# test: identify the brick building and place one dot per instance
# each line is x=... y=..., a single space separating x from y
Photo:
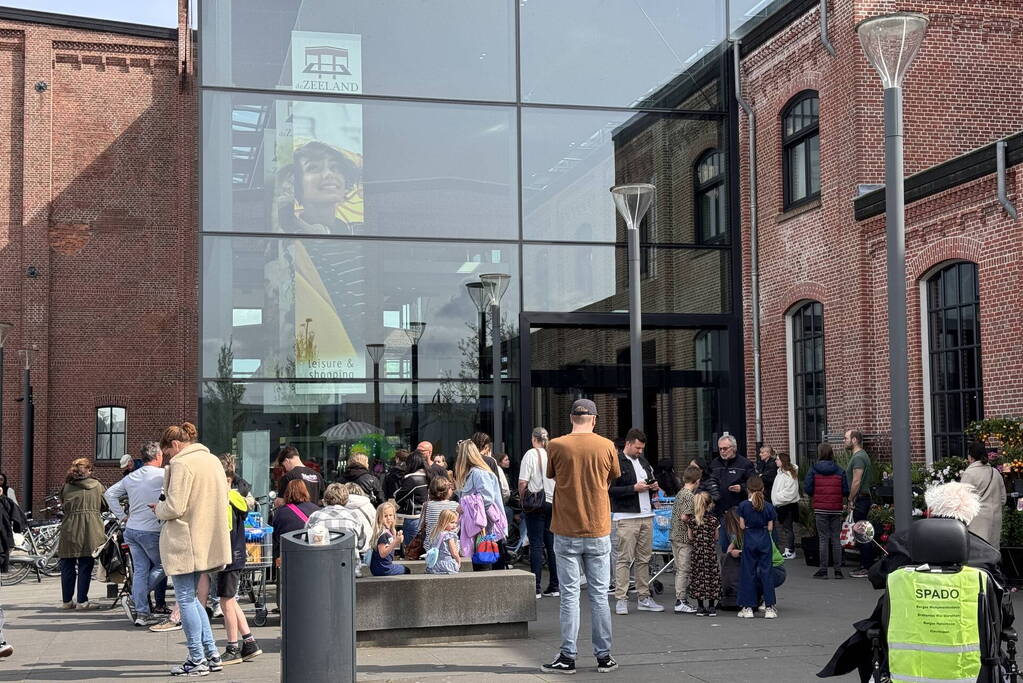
x=97 y=237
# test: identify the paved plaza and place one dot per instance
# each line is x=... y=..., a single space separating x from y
x=55 y=645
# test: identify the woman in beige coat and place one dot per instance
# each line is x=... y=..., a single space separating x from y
x=194 y=537
x=81 y=532
x=987 y=482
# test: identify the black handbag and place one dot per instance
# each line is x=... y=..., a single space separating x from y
x=533 y=501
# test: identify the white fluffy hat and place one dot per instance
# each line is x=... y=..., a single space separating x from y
x=955 y=500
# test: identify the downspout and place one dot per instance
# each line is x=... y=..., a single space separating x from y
x=758 y=418
x=824 y=28
x=1003 y=198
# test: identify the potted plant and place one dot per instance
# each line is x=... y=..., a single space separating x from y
x=1012 y=545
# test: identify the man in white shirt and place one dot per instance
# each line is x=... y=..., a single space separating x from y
x=632 y=515
x=142 y=531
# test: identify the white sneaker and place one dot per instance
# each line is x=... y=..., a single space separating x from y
x=788 y=554
x=745 y=613
x=217 y=612
x=539 y=595
x=762 y=607
x=683 y=607
x=771 y=613
x=622 y=607
x=68 y=605
x=647 y=604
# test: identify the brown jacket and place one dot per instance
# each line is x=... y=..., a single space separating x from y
x=195 y=536
x=81 y=532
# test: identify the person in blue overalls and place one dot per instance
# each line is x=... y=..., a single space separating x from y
x=756 y=519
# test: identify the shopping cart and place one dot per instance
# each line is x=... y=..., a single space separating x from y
x=661 y=545
x=258 y=559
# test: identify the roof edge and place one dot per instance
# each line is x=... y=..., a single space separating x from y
x=88 y=23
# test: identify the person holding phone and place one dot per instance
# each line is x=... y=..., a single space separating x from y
x=632 y=515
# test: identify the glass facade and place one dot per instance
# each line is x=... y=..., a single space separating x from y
x=362 y=162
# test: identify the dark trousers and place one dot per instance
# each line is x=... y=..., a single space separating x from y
x=538 y=528
x=160 y=592
x=787 y=515
x=76 y=571
x=756 y=578
x=829 y=531
x=861 y=509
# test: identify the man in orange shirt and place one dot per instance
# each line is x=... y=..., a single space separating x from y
x=582 y=464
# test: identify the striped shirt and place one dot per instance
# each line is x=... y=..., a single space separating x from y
x=432 y=514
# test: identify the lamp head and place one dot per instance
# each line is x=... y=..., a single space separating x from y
x=495 y=285
x=890 y=42
x=478 y=296
x=415 y=331
x=375 y=351
x=633 y=201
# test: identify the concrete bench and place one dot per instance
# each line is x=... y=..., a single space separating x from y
x=419 y=566
x=444 y=608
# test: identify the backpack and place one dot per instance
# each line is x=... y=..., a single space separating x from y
x=432 y=555
x=486 y=551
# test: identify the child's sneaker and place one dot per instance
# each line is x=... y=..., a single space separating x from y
x=683 y=607
x=712 y=611
x=190 y=668
x=648 y=605
x=702 y=612
x=745 y=613
x=561 y=665
x=770 y=613
x=622 y=607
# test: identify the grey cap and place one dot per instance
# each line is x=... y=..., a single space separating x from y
x=584 y=406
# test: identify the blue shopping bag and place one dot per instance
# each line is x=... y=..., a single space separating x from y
x=662 y=529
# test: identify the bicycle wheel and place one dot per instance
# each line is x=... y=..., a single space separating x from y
x=16 y=574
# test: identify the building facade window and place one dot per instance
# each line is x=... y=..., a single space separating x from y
x=710 y=197
x=111 y=425
x=808 y=396
x=953 y=324
x=801 y=149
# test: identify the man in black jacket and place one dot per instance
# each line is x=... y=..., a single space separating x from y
x=632 y=515
x=730 y=472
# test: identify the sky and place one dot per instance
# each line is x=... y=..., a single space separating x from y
x=153 y=12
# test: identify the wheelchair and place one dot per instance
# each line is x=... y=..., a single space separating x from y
x=939 y=551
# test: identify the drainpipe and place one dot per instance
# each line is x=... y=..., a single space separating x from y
x=824 y=28
x=758 y=418
x=1003 y=198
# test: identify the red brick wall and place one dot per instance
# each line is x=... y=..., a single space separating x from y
x=956 y=99
x=100 y=198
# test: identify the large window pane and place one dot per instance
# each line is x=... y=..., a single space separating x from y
x=596 y=278
x=323 y=300
x=456 y=49
x=335 y=166
x=619 y=53
x=570 y=159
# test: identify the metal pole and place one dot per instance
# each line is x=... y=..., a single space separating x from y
x=376 y=393
x=28 y=429
x=898 y=370
x=635 y=331
x=2 y=412
x=496 y=360
x=481 y=374
x=415 y=395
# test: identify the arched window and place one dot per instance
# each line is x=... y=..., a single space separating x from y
x=710 y=197
x=111 y=425
x=808 y=398
x=953 y=340
x=801 y=149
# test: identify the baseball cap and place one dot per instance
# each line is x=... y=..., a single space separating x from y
x=584 y=406
x=126 y=461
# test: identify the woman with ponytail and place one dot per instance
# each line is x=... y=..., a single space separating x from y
x=756 y=519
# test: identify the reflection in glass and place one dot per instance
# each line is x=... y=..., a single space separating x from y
x=596 y=278
x=341 y=167
x=570 y=158
x=324 y=300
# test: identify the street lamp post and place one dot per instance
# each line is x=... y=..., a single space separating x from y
x=479 y=299
x=28 y=434
x=376 y=353
x=5 y=331
x=495 y=285
x=633 y=201
x=890 y=43
x=414 y=332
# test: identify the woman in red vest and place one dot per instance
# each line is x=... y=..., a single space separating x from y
x=828 y=486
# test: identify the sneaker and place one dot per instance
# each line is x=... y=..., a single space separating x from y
x=647 y=604
x=821 y=574
x=683 y=607
x=770 y=613
x=215 y=662
x=190 y=668
x=146 y=620
x=89 y=604
x=762 y=607
x=165 y=626
x=561 y=665
x=607 y=664
x=859 y=574
x=6 y=650
x=129 y=608
x=712 y=611
x=231 y=657
x=161 y=609
x=788 y=554
x=622 y=607
x=839 y=574
x=539 y=595
x=552 y=593
x=702 y=612
x=217 y=612
x=250 y=650
x=745 y=613
x=611 y=588
x=68 y=605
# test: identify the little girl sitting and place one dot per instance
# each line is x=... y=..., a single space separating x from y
x=444 y=540
x=381 y=562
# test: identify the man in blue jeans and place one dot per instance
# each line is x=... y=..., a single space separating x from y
x=142 y=531
x=583 y=465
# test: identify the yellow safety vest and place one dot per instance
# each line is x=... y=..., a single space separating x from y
x=934 y=625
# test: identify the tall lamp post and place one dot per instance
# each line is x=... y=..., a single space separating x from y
x=890 y=42
x=495 y=285
x=28 y=435
x=633 y=201
x=414 y=332
x=376 y=353
x=479 y=299
x=5 y=331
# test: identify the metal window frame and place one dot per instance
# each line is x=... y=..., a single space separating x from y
x=702 y=187
x=788 y=142
x=818 y=375
x=111 y=432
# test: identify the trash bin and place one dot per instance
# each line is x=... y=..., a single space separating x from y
x=317 y=608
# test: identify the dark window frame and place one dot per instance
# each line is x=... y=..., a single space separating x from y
x=808 y=345
x=947 y=358
x=702 y=187
x=791 y=140
x=110 y=432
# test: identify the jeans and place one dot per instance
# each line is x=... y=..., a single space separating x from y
x=409 y=529
x=76 y=570
x=861 y=509
x=194 y=620
x=590 y=557
x=538 y=529
x=147 y=571
x=829 y=529
x=634 y=546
